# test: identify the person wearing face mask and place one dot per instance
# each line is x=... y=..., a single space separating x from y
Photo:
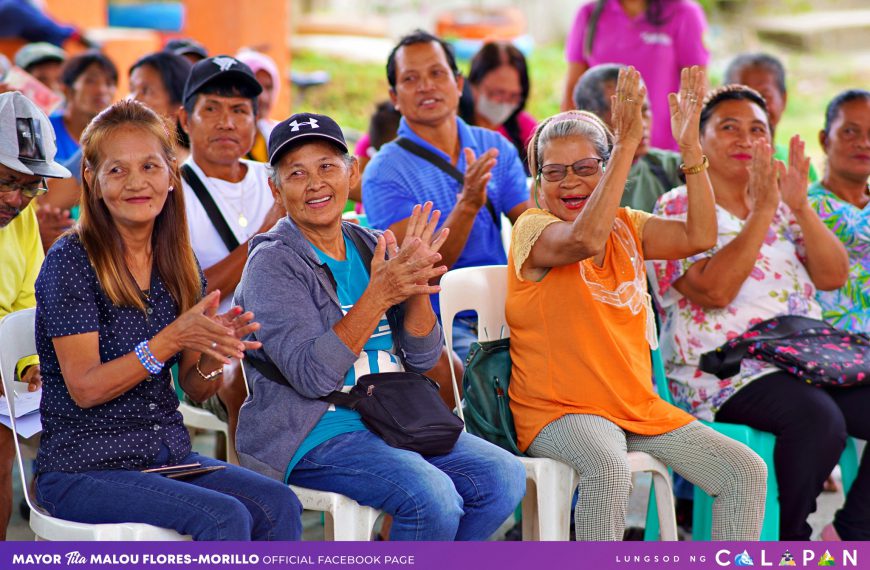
x=496 y=92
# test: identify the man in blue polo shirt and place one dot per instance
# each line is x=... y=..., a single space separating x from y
x=472 y=175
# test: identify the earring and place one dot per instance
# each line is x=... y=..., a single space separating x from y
x=171 y=188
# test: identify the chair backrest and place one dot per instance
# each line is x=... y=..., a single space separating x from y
x=17 y=340
x=482 y=289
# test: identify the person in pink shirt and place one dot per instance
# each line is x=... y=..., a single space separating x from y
x=657 y=37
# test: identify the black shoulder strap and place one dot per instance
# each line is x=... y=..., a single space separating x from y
x=211 y=209
x=446 y=167
x=268 y=368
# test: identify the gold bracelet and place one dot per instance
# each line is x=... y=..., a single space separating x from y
x=210 y=377
x=697 y=168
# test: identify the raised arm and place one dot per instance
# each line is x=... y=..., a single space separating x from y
x=562 y=243
x=677 y=239
x=826 y=259
x=714 y=282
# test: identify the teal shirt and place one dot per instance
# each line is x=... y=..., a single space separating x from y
x=351 y=278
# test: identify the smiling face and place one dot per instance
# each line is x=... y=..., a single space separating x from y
x=314 y=184
x=847 y=144
x=567 y=198
x=426 y=91
x=729 y=134
x=221 y=129
x=132 y=177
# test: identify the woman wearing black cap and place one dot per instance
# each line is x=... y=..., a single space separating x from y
x=324 y=325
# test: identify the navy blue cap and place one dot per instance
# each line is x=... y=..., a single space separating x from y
x=303 y=126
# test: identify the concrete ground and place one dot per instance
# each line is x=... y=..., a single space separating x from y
x=828 y=504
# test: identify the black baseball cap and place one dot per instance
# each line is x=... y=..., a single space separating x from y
x=301 y=127
x=219 y=67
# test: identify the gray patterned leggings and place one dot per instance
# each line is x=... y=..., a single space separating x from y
x=596 y=448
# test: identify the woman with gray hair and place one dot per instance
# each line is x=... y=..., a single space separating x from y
x=582 y=325
x=328 y=321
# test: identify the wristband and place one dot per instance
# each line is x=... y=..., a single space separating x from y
x=147 y=358
x=696 y=168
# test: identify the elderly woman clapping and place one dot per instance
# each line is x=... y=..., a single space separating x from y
x=772 y=256
x=324 y=318
x=582 y=325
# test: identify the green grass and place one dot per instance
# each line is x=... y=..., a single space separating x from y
x=355 y=88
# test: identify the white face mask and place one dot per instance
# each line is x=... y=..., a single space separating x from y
x=494 y=112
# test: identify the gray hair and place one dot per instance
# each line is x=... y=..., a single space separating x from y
x=275 y=176
x=763 y=61
x=569 y=124
x=589 y=91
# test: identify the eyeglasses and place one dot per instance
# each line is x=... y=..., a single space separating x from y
x=28 y=190
x=583 y=167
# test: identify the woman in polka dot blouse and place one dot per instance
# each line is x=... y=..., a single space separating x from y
x=120 y=301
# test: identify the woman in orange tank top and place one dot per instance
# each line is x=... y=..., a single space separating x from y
x=582 y=325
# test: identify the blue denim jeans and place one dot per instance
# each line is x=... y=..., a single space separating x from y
x=229 y=504
x=463 y=495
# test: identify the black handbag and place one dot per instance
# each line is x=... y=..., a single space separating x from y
x=485 y=402
x=812 y=350
x=404 y=409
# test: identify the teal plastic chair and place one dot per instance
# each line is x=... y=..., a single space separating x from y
x=762 y=443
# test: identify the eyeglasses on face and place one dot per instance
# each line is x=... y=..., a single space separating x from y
x=29 y=190
x=583 y=167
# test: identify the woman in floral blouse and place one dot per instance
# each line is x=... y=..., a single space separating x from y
x=773 y=254
x=841 y=200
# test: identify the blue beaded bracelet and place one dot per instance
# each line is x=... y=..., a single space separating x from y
x=147 y=358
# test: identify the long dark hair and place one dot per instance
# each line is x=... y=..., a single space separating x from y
x=490 y=57
x=654 y=14
x=170 y=242
x=173 y=70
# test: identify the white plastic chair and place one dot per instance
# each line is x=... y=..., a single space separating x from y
x=550 y=484
x=198 y=418
x=17 y=341
x=345 y=519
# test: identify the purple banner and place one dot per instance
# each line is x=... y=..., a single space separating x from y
x=434 y=556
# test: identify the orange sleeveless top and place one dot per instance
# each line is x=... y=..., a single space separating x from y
x=579 y=336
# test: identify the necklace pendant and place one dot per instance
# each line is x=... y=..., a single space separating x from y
x=243 y=221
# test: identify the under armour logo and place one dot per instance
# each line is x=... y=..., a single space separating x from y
x=224 y=62
x=311 y=123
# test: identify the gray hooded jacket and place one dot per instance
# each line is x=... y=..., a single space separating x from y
x=290 y=292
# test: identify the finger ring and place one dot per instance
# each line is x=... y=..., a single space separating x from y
x=629 y=100
x=213 y=345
